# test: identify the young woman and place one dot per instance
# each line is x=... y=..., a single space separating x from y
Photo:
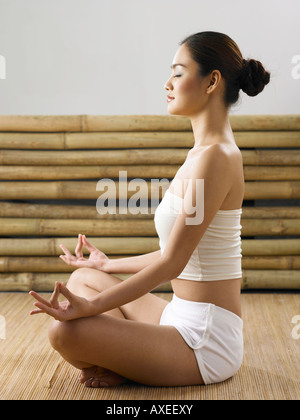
x=116 y=330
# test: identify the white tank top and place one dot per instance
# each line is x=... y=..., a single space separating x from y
x=218 y=254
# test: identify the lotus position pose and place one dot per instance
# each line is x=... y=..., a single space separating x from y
x=114 y=330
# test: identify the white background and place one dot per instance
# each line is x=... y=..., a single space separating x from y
x=114 y=56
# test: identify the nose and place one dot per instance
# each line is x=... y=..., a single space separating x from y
x=168 y=85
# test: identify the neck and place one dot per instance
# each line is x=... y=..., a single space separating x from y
x=212 y=126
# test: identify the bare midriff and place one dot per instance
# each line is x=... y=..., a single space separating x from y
x=222 y=293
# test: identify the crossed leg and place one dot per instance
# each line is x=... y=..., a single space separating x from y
x=128 y=341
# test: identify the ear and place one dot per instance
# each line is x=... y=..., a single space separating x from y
x=214 y=80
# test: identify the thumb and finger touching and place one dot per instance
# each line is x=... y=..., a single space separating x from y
x=50 y=307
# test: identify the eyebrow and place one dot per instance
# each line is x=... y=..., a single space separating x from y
x=175 y=65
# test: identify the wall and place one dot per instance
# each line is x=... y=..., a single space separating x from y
x=114 y=56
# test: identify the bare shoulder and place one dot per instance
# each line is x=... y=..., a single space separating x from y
x=217 y=157
x=220 y=161
x=217 y=151
x=221 y=151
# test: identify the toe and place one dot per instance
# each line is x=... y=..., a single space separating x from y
x=88 y=382
x=95 y=383
x=104 y=384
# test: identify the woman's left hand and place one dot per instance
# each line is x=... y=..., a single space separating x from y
x=73 y=308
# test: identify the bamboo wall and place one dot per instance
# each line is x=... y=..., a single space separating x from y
x=50 y=166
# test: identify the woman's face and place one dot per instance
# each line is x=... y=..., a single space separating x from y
x=186 y=88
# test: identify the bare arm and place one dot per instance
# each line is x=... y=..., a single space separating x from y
x=74 y=307
x=98 y=260
x=131 y=264
x=160 y=271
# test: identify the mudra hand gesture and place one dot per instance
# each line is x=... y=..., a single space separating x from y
x=75 y=306
x=72 y=308
x=97 y=259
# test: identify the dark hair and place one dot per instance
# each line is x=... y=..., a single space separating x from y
x=217 y=51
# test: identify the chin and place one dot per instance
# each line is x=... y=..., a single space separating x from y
x=174 y=111
x=177 y=110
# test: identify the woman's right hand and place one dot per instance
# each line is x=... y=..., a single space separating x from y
x=97 y=259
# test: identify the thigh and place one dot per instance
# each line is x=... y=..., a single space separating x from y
x=145 y=353
x=87 y=282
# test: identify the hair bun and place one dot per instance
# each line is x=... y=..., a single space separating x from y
x=253 y=77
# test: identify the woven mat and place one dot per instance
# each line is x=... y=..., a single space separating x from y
x=31 y=370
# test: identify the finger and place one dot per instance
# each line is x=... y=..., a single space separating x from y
x=45 y=309
x=67 y=293
x=66 y=251
x=36 y=311
x=63 y=257
x=54 y=297
x=78 y=249
x=66 y=259
x=74 y=263
x=39 y=298
x=88 y=245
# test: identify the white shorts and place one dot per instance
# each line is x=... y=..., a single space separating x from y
x=215 y=335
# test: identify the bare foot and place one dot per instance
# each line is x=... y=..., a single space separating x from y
x=96 y=377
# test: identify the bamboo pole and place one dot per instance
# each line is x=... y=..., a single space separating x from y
x=94 y=157
x=97 y=140
x=39 y=264
x=137 y=123
x=64 y=227
x=275 y=212
x=87 y=123
x=170 y=156
x=134 y=245
x=259 y=139
x=12 y=264
x=270 y=247
x=85 y=190
x=182 y=139
x=45 y=173
x=31 y=141
x=265 y=122
x=50 y=246
x=127 y=227
x=41 y=123
x=270 y=227
x=128 y=140
x=271 y=279
x=271 y=157
x=283 y=262
x=82 y=190
x=259 y=190
x=52 y=211
x=24 y=282
x=34 y=265
x=271 y=173
x=45 y=282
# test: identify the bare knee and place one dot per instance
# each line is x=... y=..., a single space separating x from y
x=79 y=275
x=79 y=279
x=61 y=335
x=85 y=280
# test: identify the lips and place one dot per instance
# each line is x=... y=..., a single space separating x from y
x=170 y=98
